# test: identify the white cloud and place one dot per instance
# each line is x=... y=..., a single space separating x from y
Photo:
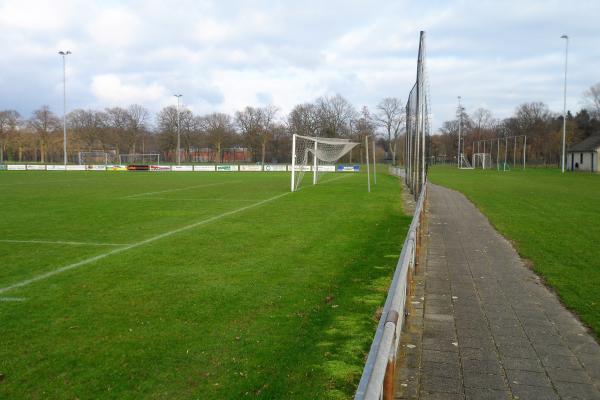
x=109 y=89
x=30 y=16
x=115 y=28
x=225 y=55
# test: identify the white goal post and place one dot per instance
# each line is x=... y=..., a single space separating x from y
x=95 y=157
x=145 y=159
x=321 y=150
x=464 y=162
x=482 y=160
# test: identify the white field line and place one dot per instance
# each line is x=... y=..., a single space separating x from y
x=12 y=299
x=192 y=199
x=63 y=242
x=327 y=181
x=134 y=245
x=179 y=189
x=44 y=182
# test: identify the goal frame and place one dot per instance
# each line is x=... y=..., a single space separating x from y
x=140 y=155
x=93 y=153
x=314 y=151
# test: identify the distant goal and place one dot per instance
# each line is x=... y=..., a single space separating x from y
x=139 y=159
x=316 y=154
x=96 y=157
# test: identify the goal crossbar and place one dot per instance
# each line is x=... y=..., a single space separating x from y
x=320 y=150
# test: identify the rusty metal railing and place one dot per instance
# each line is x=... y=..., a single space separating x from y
x=377 y=381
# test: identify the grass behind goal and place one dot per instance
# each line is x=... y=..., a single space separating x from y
x=274 y=300
x=552 y=218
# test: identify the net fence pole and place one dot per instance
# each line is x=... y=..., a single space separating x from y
x=498 y=155
x=515 y=154
x=423 y=122
x=524 y=151
x=293 y=160
x=374 y=164
x=505 y=151
x=315 y=166
x=368 y=172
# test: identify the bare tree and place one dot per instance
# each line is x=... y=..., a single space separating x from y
x=44 y=122
x=117 y=120
x=592 y=97
x=88 y=127
x=219 y=129
x=189 y=130
x=9 y=121
x=268 y=119
x=304 y=120
x=390 y=117
x=364 y=126
x=256 y=126
x=167 y=127
x=137 y=117
x=482 y=119
x=335 y=116
x=281 y=143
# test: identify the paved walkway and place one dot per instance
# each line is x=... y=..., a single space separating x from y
x=482 y=326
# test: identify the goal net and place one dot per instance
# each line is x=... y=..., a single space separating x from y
x=482 y=160
x=316 y=154
x=144 y=159
x=464 y=162
x=96 y=157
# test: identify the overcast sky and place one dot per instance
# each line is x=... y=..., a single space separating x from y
x=224 y=55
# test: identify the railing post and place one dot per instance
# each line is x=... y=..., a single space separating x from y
x=388 y=379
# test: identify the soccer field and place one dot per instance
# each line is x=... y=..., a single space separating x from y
x=191 y=285
x=552 y=219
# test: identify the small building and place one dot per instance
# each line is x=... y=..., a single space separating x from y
x=583 y=156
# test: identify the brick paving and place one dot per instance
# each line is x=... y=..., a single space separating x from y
x=482 y=325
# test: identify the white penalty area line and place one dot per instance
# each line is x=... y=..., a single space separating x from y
x=62 y=242
x=199 y=199
x=44 y=182
x=179 y=189
x=12 y=299
x=134 y=245
x=325 y=181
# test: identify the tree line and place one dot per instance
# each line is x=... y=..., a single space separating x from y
x=264 y=132
x=534 y=119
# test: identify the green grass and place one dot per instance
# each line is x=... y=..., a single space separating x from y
x=276 y=301
x=554 y=221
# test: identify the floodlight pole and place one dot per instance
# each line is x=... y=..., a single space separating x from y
x=64 y=54
x=178 y=132
x=562 y=159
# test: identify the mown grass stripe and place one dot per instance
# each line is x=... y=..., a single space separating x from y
x=179 y=189
x=134 y=245
x=62 y=242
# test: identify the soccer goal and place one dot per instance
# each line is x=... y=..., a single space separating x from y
x=482 y=160
x=464 y=162
x=318 y=153
x=96 y=157
x=143 y=159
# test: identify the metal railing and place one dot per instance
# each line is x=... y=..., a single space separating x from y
x=377 y=381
